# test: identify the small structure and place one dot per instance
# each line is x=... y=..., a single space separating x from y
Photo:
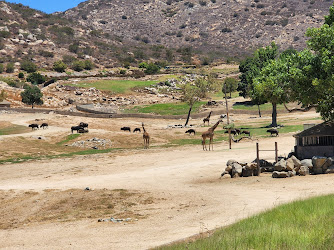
x=315 y=141
x=5 y=104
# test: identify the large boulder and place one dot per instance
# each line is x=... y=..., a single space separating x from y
x=304 y=170
x=290 y=166
x=230 y=162
x=247 y=171
x=280 y=165
x=277 y=174
x=320 y=164
x=307 y=163
x=236 y=170
x=296 y=162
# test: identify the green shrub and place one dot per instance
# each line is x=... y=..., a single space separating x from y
x=143 y=65
x=226 y=30
x=20 y=75
x=202 y=3
x=10 y=67
x=152 y=69
x=88 y=65
x=45 y=53
x=122 y=71
x=4 y=34
x=78 y=65
x=28 y=66
x=74 y=48
x=1 y=68
x=36 y=78
x=67 y=59
x=59 y=66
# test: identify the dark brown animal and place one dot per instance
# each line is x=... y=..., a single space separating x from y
x=146 y=137
x=83 y=124
x=190 y=131
x=209 y=134
x=273 y=131
x=246 y=132
x=33 y=126
x=126 y=129
x=76 y=128
x=137 y=130
x=44 y=125
x=207 y=119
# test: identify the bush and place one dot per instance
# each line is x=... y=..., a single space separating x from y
x=36 y=78
x=78 y=66
x=226 y=30
x=202 y=3
x=74 y=48
x=1 y=68
x=124 y=17
x=143 y=65
x=10 y=67
x=152 y=69
x=59 y=66
x=28 y=66
x=88 y=65
x=4 y=34
x=20 y=75
x=122 y=71
x=45 y=53
x=67 y=59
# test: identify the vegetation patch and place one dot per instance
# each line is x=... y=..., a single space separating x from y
x=165 y=108
x=13 y=129
x=299 y=225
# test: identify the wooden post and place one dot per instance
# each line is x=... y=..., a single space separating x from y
x=276 y=152
x=258 y=159
x=228 y=120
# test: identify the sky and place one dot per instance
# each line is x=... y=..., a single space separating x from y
x=49 y=6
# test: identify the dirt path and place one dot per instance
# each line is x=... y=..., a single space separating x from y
x=190 y=197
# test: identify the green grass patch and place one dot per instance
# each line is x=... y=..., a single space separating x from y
x=14 y=129
x=165 y=108
x=68 y=138
x=263 y=107
x=115 y=86
x=306 y=224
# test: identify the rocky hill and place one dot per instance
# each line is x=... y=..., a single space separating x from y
x=231 y=27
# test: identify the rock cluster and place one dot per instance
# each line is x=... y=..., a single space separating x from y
x=292 y=166
x=94 y=143
x=236 y=169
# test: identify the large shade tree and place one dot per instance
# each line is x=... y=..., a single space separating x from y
x=32 y=95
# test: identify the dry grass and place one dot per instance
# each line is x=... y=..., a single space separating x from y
x=18 y=209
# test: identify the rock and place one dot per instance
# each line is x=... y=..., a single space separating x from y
x=320 y=164
x=246 y=171
x=230 y=162
x=292 y=173
x=290 y=165
x=330 y=170
x=304 y=170
x=296 y=162
x=277 y=174
x=280 y=166
x=226 y=176
x=307 y=163
x=236 y=168
x=228 y=168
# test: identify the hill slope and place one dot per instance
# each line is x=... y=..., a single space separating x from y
x=231 y=26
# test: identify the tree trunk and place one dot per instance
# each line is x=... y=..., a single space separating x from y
x=191 y=106
x=274 y=115
x=32 y=106
x=230 y=94
x=258 y=107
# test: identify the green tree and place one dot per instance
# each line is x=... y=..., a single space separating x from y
x=59 y=66
x=193 y=92
x=32 y=95
x=231 y=84
x=28 y=66
x=36 y=78
x=152 y=69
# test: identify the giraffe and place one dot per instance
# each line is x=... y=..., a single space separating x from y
x=209 y=134
x=207 y=119
x=146 y=137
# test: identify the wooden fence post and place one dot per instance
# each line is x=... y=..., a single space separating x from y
x=276 y=152
x=258 y=159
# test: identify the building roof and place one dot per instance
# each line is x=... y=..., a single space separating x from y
x=322 y=129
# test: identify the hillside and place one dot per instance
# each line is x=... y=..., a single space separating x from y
x=231 y=27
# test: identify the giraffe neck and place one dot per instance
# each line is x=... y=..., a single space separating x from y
x=214 y=126
x=144 y=129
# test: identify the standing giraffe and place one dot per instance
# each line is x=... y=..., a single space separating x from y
x=207 y=119
x=146 y=137
x=209 y=134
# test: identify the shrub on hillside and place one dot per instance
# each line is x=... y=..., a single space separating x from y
x=20 y=75
x=45 y=53
x=36 y=78
x=28 y=66
x=10 y=67
x=152 y=69
x=1 y=68
x=59 y=66
x=88 y=65
x=78 y=66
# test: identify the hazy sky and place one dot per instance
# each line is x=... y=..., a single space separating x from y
x=49 y=6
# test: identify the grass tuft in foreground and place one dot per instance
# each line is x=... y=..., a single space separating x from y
x=306 y=224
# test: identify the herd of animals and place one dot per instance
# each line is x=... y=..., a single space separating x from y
x=83 y=128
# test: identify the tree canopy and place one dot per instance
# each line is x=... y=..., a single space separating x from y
x=32 y=95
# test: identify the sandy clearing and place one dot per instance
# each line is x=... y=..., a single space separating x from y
x=190 y=197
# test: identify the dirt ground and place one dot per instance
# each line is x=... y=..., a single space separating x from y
x=166 y=193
